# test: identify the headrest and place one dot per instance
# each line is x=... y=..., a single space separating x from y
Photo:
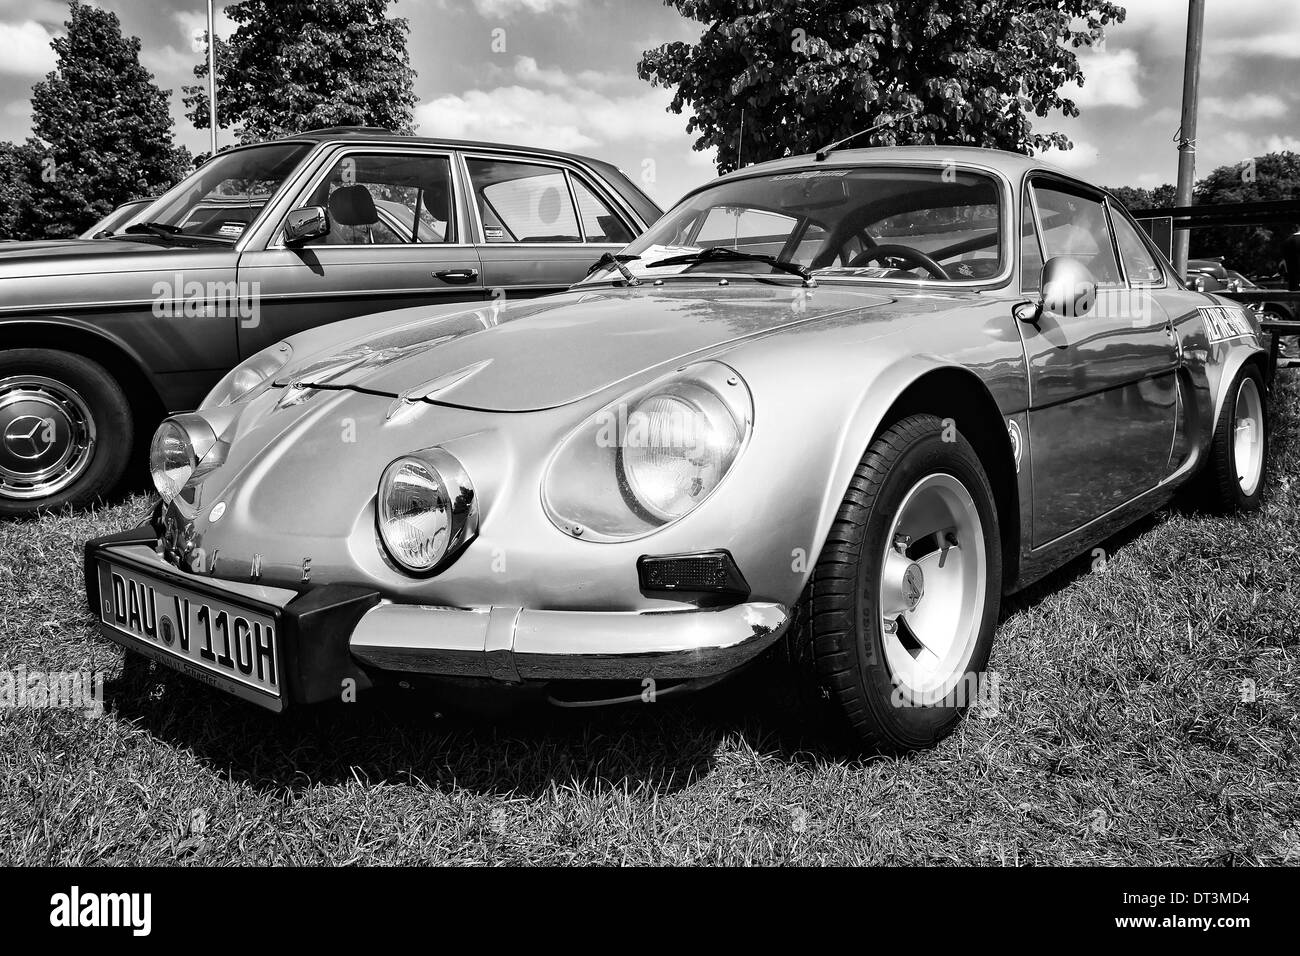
x=437 y=200
x=353 y=206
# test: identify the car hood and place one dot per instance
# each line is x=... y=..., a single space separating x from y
x=561 y=349
x=74 y=256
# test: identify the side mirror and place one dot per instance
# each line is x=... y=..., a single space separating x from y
x=305 y=223
x=1068 y=291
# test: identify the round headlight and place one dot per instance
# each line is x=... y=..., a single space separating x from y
x=172 y=459
x=240 y=381
x=678 y=445
x=426 y=509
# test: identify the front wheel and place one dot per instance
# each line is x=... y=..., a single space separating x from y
x=899 y=614
x=65 y=431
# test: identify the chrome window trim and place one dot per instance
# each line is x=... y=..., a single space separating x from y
x=1086 y=191
x=1007 y=251
x=566 y=168
x=343 y=150
x=1114 y=207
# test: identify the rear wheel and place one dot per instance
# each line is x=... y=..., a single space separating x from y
x=1233 y=479
x=65 y=431
x=898 y=618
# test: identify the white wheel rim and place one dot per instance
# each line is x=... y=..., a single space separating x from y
x=1248 y=436
x=933 y=578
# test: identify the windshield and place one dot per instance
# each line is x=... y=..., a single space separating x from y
x=115 y=220
x=869 y=222
x=221 y=198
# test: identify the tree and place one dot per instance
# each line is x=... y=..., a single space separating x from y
x=306 y=64
x=1139 y=197
x=14 y=191
x=102 y=130
x=808 y=72
x=1251 y=250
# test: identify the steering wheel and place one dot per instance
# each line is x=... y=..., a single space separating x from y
x=892 y=251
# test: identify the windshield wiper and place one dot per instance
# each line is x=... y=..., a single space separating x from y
x=157 y=228
x=610 y=259
x=723 y=254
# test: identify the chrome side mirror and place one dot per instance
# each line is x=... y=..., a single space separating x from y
x=305 y=223
x=1068 y=291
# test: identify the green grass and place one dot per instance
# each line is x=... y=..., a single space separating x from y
x=1121 y=736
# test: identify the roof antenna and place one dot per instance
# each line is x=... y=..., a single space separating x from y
x=740 y=147
x=887 y=121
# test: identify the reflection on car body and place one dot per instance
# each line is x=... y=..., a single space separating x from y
x=835 y=407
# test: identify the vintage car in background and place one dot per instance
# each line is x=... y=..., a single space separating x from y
x=100 y=339
x=118 y=219
x=1213 y=275
x=842 y=403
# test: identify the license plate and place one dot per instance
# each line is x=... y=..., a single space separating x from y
x=220 y=643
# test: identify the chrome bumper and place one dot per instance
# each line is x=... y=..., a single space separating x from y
x=516 y=644
x=342 y=631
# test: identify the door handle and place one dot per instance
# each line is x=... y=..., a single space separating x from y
x=457 y=275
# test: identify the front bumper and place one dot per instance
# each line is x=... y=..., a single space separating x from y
x=334 y=632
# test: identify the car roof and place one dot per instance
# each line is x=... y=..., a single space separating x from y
x=1012 y=164
x=374 y=134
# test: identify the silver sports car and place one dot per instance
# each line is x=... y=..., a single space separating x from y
x=832 y=407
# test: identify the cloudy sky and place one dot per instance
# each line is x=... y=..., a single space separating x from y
x=562 y=73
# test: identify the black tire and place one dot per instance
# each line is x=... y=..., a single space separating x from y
x=91 y=389
x=837 y=641
x=1220 y=489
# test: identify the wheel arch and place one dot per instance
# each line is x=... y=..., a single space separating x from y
x=117 y=358
x=948 y=392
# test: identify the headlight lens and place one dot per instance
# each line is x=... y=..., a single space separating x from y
x=172 y=460
x=183 y=450
x=678 y=445
x=248 y=375
x=650 y=458
x=426 y=509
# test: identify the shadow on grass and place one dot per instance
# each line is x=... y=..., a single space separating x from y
x=506 y=746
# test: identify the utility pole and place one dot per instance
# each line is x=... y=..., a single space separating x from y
x=212 y=79
x=1187 y=132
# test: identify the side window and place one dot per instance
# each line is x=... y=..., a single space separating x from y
x=599 y=223
x=1075 y=226
x=522 y=202
x=1139 y=263
x=1031 y=254
x=387 y=198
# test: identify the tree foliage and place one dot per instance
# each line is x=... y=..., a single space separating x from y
x=306 y=64
x=1251 y=250
x=102 y=132
x=808 y=72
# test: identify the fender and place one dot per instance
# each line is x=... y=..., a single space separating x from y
x=870 y=416
x=49 y=326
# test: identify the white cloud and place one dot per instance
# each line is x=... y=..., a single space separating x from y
x=20 y=108
x=27 y=49
x=554 y=110
x=1109 y=79
x=505 y=8
x=1234 y=27
x=1251 y=106
x=43 y=11
x=1083 y=156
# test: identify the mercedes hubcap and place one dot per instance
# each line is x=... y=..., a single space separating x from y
x=1248 y=436
x=932 y=586
x=47 y=436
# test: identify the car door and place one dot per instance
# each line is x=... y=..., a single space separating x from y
x=1103 y=399
x=396 y=239
x=541 y=224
